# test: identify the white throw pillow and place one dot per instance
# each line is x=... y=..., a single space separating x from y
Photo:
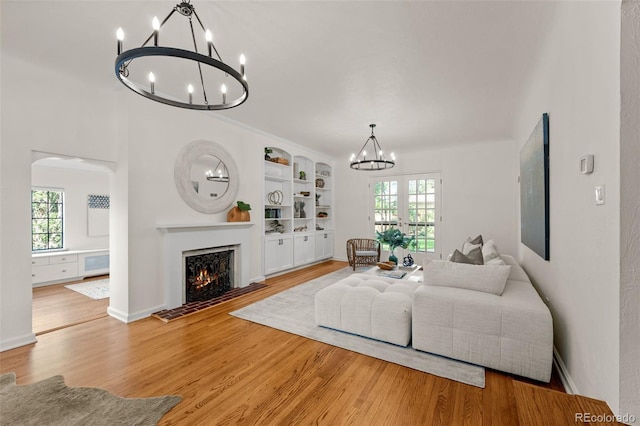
x=467 y=247
x=484 y=278
x=490 y=251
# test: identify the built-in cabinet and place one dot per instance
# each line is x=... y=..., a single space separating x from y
x=278 y=253
x=54 y=267
x=298 y=217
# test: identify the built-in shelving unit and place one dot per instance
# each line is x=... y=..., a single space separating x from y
x=298 y=217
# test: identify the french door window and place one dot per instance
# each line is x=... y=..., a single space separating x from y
x=410 y=203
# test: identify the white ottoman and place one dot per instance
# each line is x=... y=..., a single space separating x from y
x=367 y=306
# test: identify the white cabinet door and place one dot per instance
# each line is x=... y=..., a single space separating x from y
x=324 y=245
x=278 y=254
x=304 y=249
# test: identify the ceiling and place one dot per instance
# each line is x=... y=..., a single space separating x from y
x=427 y=73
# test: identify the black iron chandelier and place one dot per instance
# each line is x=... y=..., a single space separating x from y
x=376 y=159
x=140 y=69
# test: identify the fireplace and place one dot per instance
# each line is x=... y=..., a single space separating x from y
x=208 y=273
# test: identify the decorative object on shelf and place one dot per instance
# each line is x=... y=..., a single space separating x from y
x=302 y=228
x=325 y=173
x=239 y=213
x=318 y=199
x=305 y=193
x=280 y=160
x=303 y=175
x=303 y=214
x=267 y=151
x=272 y=213
x=319 y=183
x=181 y=93
x=408 y=260
x=275 y=197
x=376 y=160
x=319 y=228
x=395 y=238
x=323 y=214
x=277 y=227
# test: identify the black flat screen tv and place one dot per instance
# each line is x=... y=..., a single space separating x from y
x=534 y=189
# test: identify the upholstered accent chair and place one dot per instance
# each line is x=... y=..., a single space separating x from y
x=363 y=251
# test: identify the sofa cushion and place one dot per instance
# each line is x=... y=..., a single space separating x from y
x=484 y=278
x=474 y=257
x=516 y=273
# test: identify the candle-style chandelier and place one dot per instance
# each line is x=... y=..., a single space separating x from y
x=141 y=68
x=371 y=156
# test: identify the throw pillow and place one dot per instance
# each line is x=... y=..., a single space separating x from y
x=474 y=257
x=490 y=251
x=476 y=240
x=485 y=278
x=470 y=244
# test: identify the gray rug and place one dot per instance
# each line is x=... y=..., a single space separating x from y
x=293 y=311
x=51 y=402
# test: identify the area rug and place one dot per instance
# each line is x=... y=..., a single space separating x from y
x=51 y=402
x=96 y=289
x=293 y=311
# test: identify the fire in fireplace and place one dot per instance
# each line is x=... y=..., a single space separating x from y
x=208 y=273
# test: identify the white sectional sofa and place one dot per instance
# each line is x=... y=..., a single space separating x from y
x=506 y=327
x=511 y=332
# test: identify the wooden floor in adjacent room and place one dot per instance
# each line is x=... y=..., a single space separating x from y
x=230 y=371
x=56 y=307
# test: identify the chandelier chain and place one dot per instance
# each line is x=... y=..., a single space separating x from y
x=195 y=47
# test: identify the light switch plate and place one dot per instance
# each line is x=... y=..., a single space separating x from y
x=586 y=164
x=599 y=192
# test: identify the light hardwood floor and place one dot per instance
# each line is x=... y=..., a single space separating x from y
x=230 y=371
x=55 y=307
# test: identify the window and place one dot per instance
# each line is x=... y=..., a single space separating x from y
x=47 y=226
x=411 y=204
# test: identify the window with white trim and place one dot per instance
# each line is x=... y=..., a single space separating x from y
x=47 y=219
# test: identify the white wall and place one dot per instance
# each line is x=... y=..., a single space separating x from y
x=77 y=185
x=478 y=194
x=155 y=134
x=577 y=82
x=46 y=111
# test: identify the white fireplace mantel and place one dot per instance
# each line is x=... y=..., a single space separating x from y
x=186 y=226
x=179 y=238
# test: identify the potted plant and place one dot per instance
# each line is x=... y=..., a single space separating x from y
x=394 y=238
x=267 y=151
x=239 y=213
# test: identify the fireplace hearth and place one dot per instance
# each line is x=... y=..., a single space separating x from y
x=208 y=273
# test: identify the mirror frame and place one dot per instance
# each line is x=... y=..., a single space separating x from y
x=182 y=176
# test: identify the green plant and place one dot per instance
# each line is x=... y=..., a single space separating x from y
x=244 y=206
x=267 y=150
x=395 y=238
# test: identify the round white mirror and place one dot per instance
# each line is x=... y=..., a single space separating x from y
x=206 y=176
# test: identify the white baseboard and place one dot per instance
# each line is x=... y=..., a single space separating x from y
x=127 y=318
x=16 y=342
x=565 y=378
x=257 y=279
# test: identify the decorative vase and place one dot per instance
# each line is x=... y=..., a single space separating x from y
x=392 y=256
x=237 y=215
x=303 y=214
